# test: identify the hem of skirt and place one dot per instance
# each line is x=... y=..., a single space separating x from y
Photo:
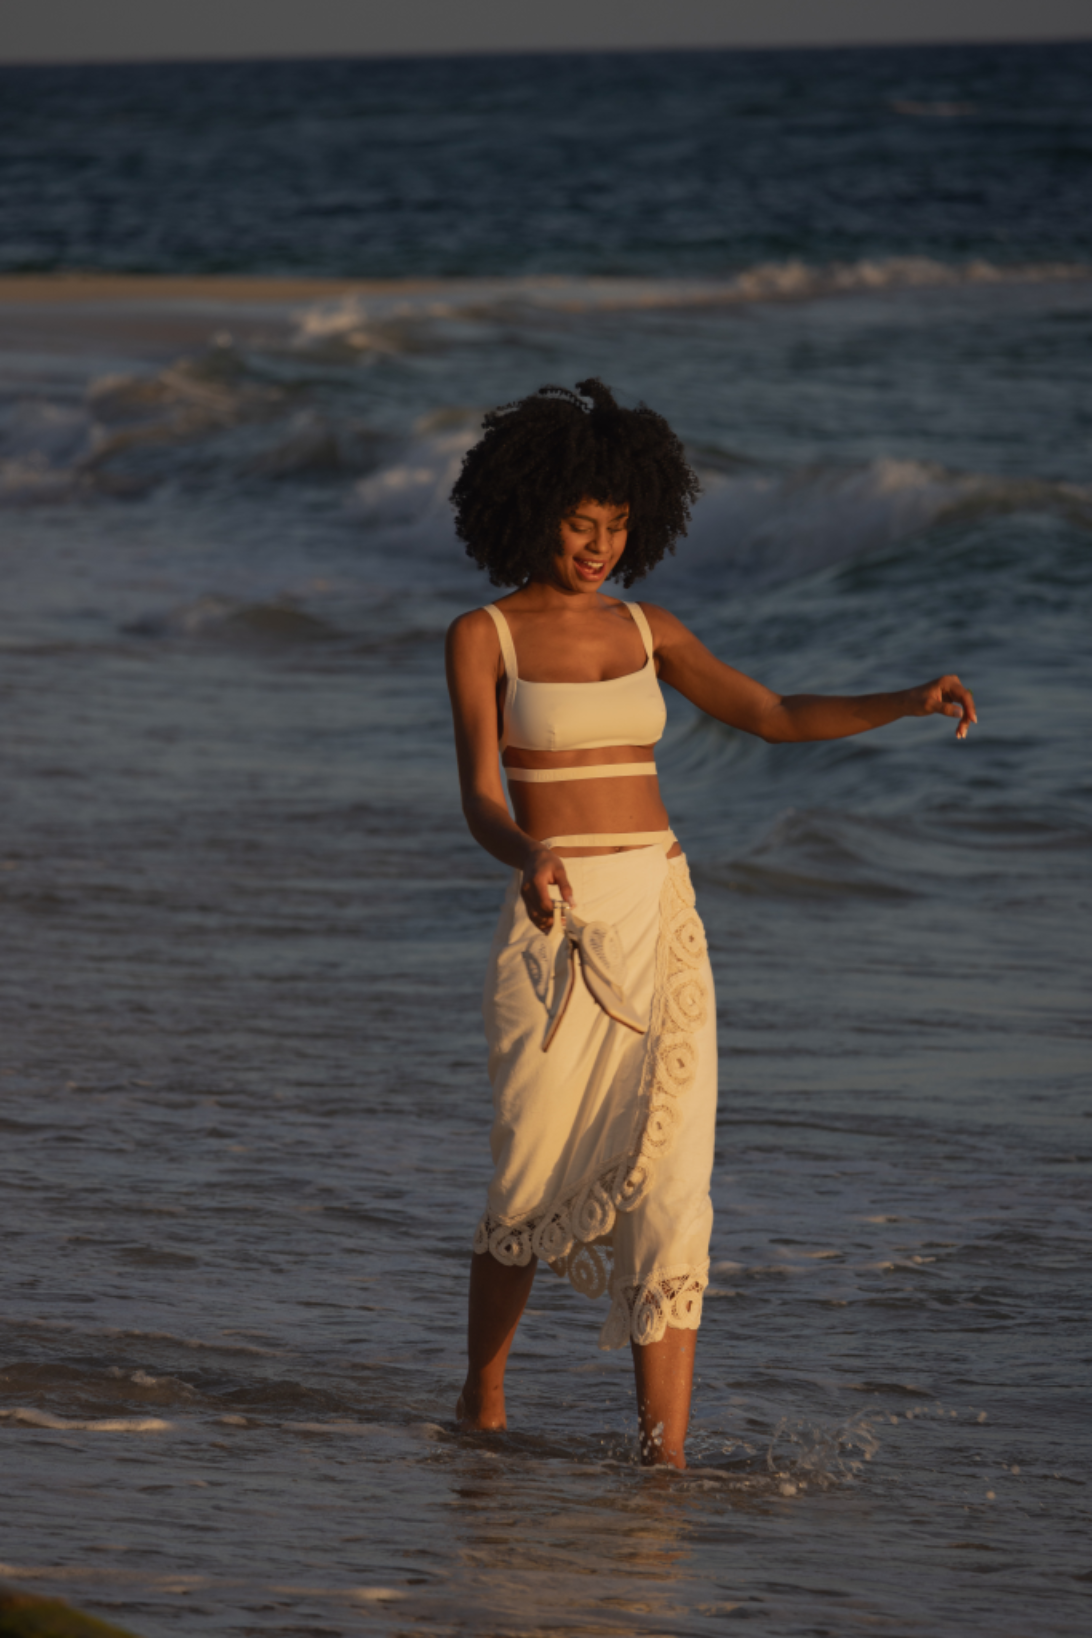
x=642 y=1310
x=557 y=1232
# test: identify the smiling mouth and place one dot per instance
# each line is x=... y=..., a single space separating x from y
x=587 y=567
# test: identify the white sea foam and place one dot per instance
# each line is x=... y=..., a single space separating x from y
x=774 y=526
x=163 y=1387
x=356 y=1595
x=407 y=502
x=107 y=1424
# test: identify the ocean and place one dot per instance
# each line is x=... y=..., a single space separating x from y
x=242 y=1075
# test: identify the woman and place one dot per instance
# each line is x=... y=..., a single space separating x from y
x=599 y=997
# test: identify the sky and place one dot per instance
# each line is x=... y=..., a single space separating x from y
x=117 y=30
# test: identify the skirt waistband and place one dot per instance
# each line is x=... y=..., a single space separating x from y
x=617 y=838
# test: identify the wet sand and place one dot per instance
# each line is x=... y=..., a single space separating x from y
x=151 y=316
x=213 y=287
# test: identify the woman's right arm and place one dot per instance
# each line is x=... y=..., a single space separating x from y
x=474 y=671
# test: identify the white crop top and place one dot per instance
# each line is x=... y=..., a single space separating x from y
x=565 y=716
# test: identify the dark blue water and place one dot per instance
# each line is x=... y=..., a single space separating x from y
x=243 y=1106
x=672 y=163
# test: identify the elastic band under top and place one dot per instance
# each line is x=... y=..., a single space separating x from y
x=601 y=770
x=626 y=838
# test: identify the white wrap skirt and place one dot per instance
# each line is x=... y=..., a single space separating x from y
x=602 y=1142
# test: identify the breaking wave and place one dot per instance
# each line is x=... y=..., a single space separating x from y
x=382 y=320
x=769 y=527
x=213 y=416
x=131 y=432
x=754 y=526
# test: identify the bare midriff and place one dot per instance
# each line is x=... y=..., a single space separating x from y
x=588 y=806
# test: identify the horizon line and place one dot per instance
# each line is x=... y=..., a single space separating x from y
x=410 y=54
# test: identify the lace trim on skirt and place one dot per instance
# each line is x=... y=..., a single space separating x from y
x=642 y=1311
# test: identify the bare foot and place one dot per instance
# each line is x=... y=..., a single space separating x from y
x=658 y=1457
x=656 y=1452
x=471 y=1416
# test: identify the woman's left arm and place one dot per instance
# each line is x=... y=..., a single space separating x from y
x=780 y=719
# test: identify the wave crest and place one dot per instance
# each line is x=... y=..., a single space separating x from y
x=383 y=320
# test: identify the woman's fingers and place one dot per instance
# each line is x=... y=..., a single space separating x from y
x=545 y=897
x=948 y=697
x=961 y=704
x=554 y=880
x=540 y=886
x=540 y=911
x=536 y=896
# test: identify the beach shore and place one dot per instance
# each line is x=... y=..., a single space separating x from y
x=154 y=317
x=214 y=287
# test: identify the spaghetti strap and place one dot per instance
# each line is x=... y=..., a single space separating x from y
x=511 y=670
x=508 y=647
x=641 y=621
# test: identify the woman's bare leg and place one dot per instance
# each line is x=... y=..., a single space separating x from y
x=665 y=1376
x=498 y=1296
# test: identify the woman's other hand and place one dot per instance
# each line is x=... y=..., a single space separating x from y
x=544 y=869
x=945 y=697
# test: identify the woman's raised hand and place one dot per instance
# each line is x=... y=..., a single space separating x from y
x=947 y=697
x=543 y=870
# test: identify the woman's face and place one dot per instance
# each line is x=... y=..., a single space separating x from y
x=592 y=539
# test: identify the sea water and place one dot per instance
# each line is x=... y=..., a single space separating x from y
x=242 y=1084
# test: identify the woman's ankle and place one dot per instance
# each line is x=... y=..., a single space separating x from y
x=659 y=1449
x=481 y=1407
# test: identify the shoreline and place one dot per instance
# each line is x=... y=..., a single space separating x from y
x=774 y=281
x=219 y=287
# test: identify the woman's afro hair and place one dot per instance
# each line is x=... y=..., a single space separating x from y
x=539 y=457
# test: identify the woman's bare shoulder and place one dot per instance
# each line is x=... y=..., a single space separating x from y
x=473 y=620
x=666 y=627
x=473 y=635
